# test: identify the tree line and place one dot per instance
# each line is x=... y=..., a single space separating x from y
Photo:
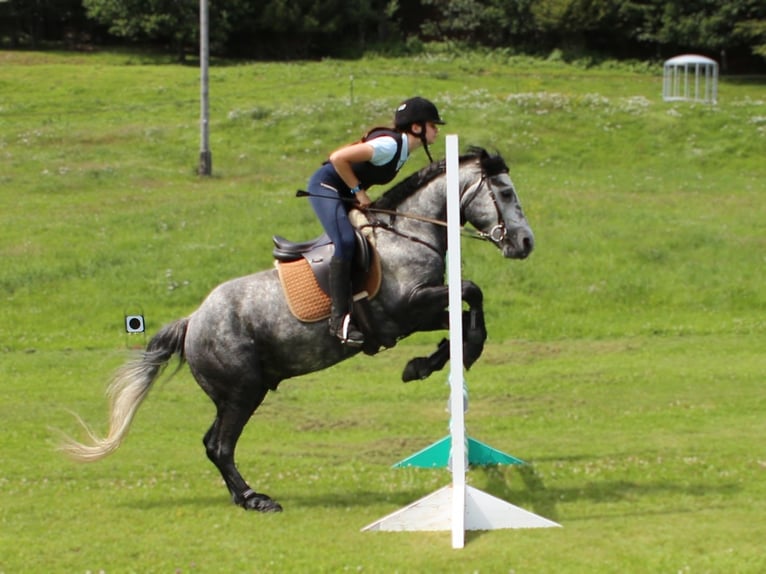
x=733 y=32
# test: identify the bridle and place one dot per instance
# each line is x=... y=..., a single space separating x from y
x=496 y=234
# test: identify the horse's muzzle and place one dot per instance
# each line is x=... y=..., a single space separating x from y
x=518 y=244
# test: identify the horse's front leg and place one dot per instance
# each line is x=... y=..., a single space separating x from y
x=474 y=328
x=430 y=304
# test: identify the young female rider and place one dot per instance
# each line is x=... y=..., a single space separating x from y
x=342 y=182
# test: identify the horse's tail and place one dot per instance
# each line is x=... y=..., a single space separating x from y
x=129 y=387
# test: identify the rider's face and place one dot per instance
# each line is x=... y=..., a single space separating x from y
x=432 y=130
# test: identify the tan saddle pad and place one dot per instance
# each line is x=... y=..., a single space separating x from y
x=306 y=299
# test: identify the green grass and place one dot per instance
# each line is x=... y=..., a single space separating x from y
x=625 y=361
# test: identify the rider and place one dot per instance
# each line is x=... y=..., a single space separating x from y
x=342 y=183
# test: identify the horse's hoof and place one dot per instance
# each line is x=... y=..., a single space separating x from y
x=261 y=503
x=268 y=505
x=471 y=353
x=415 y=370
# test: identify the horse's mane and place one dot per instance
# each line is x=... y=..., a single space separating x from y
x=491 y=164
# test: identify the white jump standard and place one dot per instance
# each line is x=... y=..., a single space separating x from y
x=457 y=506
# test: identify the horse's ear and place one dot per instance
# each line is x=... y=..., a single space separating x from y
x=492 y=164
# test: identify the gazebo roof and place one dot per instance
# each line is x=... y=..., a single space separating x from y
x=686 y=59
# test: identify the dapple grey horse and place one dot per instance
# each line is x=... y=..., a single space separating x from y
x=243 y=340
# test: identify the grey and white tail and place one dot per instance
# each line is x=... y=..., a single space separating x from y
x=129 y=387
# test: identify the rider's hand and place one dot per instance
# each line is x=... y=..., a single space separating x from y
x=363 y=200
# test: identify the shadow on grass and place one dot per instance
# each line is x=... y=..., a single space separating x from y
x=499 y=481
x=177 y=501
x=357 y=498
x=326 y=499
x=538 y=498
x=543 y=500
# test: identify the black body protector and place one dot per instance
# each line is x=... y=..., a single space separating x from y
x=370 y=174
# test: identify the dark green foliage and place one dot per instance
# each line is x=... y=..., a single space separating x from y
x=306 y=29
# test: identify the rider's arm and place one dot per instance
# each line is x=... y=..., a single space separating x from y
x=343 y=158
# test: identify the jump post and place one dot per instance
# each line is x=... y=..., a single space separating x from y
x=457 y=507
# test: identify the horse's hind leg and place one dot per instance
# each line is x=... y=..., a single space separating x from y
x=220 y=443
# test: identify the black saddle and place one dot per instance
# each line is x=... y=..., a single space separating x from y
x=319 y=249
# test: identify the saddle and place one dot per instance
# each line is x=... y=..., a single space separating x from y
x=304 y=272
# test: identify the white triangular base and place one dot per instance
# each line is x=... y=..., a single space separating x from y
x=482 y=512
x=486 y=512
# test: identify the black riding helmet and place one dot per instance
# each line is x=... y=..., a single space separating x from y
x=419 y=111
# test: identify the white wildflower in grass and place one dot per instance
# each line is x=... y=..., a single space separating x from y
x=636 y=104
x=747 y=102
x=760 y=124
x=475 y=99
x=595 y=101
x=525 y=100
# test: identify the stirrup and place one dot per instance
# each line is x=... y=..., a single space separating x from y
x=348 y=333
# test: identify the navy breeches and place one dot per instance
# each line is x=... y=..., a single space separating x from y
x=326 y=189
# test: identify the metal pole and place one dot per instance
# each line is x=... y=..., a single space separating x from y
x=205 y=155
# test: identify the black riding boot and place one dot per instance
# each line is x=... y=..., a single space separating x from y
x=341 y=323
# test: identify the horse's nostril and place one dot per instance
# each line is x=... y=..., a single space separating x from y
x=527 y=244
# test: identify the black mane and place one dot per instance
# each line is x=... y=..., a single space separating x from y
x=490 y=165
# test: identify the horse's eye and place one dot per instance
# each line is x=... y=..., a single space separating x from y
x=506 y=193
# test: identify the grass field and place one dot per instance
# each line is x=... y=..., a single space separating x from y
x=625 y=359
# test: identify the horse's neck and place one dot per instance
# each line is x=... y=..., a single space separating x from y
x=428 y=205
x=431 y=200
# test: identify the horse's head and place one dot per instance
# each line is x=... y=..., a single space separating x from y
x=488 y=201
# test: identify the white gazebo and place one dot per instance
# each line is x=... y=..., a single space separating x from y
x=690 y=77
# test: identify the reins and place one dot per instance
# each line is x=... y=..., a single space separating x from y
x=404 y=214
x=471 y=233
x=495 y=235
x=392 y=212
